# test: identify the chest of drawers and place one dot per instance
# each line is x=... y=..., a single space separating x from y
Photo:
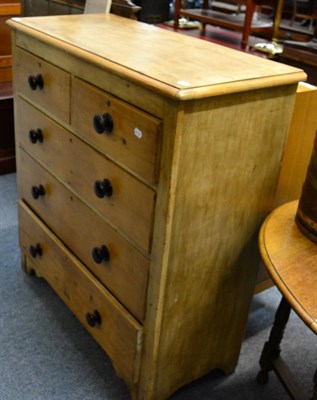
x=145 y=168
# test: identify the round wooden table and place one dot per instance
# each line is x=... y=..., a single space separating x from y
x=291 y=260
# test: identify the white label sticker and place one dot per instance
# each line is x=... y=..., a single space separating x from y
x=184 y=83
x=138 y=133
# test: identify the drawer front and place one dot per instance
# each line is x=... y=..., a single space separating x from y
x=117 y=129
x=43 y=83
x=129 y=207
x=122 y=268
x=116 y=331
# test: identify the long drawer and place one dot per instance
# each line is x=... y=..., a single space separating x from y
x=129 y=205
x=118 y=264
x=118 y=333
x=116 y=128
x=43 y=83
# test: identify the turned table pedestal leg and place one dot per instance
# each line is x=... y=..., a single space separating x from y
x=271 y=349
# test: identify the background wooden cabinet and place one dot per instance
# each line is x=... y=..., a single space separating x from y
x=125 y=8
x=7 y=145
x=52 y=7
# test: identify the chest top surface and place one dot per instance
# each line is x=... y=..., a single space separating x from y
x=181 y=66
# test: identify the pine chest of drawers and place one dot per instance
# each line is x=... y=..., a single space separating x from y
x=146 y=162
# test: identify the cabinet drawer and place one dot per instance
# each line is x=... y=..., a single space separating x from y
x=130 y=207
x=43 y=83
x=122 y=268
x=118 y=333
x=118 y=129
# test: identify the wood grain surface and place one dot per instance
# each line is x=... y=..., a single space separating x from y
x=291 y=260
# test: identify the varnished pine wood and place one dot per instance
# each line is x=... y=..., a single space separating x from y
x=126 y=273
x=216 y=178
x=119 y=334
x=56 y=92
x=142 y=97
x=204 y=207
x=168 y=70
x=134 y=145
x=131 y=206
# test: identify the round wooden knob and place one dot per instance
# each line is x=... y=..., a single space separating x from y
x=36 y=82
x=100 y=254
x=103 y=123
x=35 y=250
x=103 y=188
x=37 y=191
x=36 y=136
x=93 y=318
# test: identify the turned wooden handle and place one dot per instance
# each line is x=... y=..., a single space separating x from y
x=36 y=82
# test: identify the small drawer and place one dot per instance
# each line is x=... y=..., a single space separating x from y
x=118 y=265
x=118 y=333
x=43 y=83
x=117 y=129
x=129 y=204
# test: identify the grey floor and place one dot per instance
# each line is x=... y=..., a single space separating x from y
x=45 y=354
